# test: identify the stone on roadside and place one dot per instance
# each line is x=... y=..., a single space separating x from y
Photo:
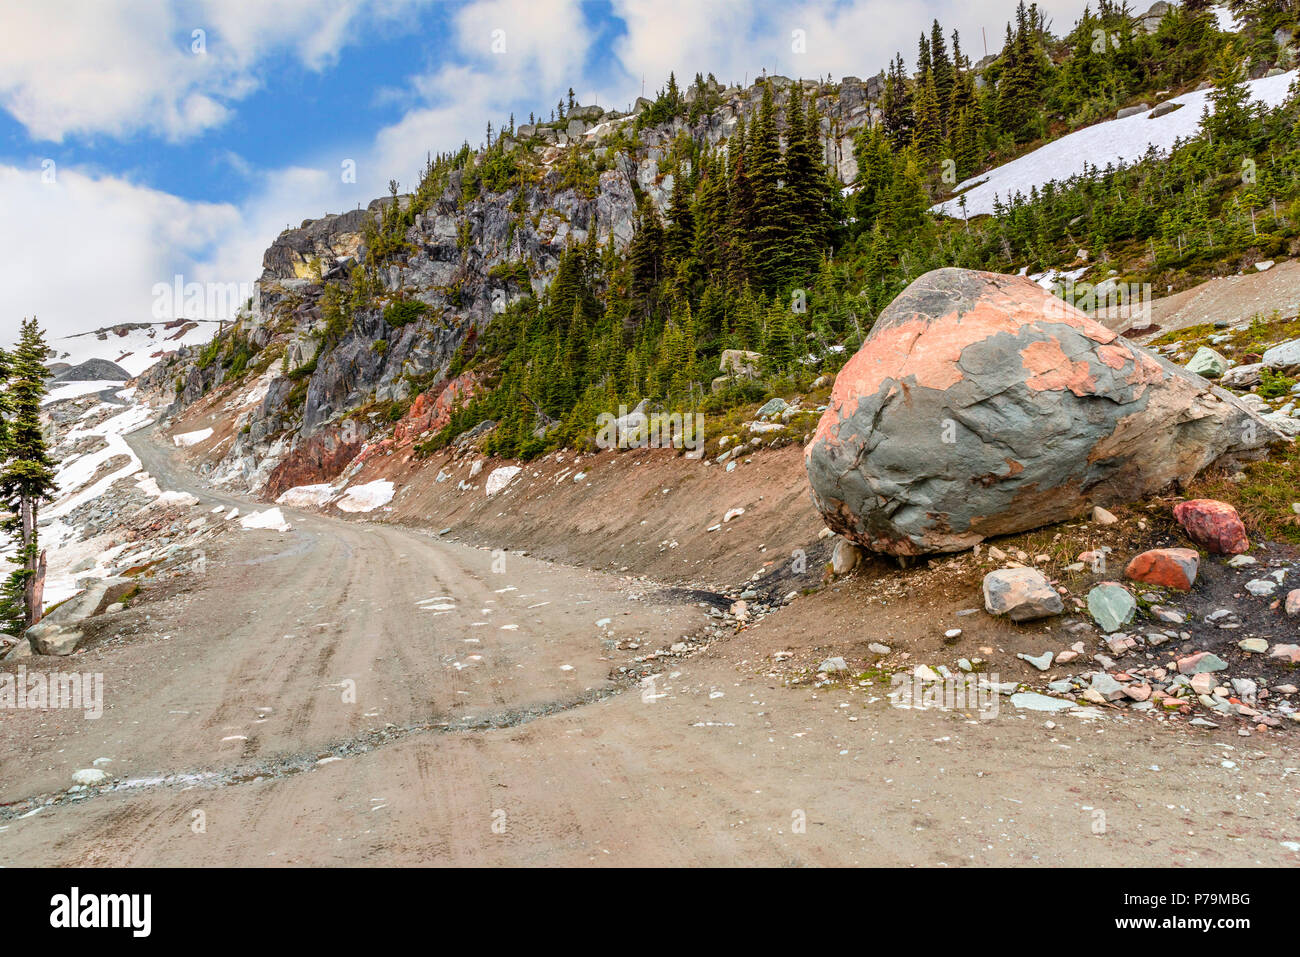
x=1032 y=701
x=1208 y=363
x=1289 y=653
x=52 y=638
x=1200 y=663
x=1111 y=605
x=1293 y=602
x=1022 y=594
x=1041 y=662
x=1169 y=567
x=1213 y=525
x=1049 y=407
x=1101 y=516
x=832 y=665
x=845 y=557
x=1106 y=686
x=1256 y=646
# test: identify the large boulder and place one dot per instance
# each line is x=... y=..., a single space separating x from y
x=982 y=405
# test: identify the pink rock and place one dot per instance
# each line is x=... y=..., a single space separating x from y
x=1138 y=692
x=1213 y=525
x=1289 y=653
x=1169 y=567
x=1293 y=602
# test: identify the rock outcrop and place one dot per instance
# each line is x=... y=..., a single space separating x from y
x=981 y=405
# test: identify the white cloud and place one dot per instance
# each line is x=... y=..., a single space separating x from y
x=85 y=251
x=86 y=66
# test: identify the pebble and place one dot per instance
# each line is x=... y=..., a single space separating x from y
x=1041 y=662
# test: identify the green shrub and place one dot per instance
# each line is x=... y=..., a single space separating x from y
x=398 y=314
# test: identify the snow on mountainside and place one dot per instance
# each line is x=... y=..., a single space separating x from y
x=135 y=346
x=1110 y=142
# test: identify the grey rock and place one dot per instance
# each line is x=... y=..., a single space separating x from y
x=1022 y=594
x=1111 y=606
x=1285 y=356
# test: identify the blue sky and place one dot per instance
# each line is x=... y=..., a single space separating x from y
x=169 y=160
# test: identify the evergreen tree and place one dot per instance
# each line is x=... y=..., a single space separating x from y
x=941 y=68
x=680 y=234
x=646 y=254
x=771 y=216
x=1232 y=114
x=26 y=477
x=927 y=136
x=896 y=104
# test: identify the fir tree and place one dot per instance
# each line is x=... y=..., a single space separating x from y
x=26 y=476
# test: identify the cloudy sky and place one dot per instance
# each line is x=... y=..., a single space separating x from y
x=144 y=139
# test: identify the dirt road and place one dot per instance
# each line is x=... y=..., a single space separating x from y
x=353 y=693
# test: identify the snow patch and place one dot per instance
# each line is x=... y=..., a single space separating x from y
x=186 y=439
x=272 y=519
x=306 y=496
x=366 y=498
x=1110 y=142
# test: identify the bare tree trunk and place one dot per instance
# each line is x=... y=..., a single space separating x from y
x=28 y=510
x=36 y=593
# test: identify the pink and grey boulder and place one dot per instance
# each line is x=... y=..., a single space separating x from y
x=982 y=405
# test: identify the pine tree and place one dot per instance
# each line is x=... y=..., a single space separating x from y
x=941 y=68
x=646 y=254
x=26 y=476
x=1232 y=112
x=896 y=104
x=680 y=233
x=771 y=216
x=928 y=134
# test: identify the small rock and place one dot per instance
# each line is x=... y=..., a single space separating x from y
x=1255 y=646
x=876 y=648
x=89 y=777
x=1293 y=603
x=1289 y=653
x=833 y=664
x=1032 y=701
x=1168 y=567
x=1106 y=686
x=1022 y=594
x=1201 y=662
x=1041 y=662
x=1111 y=606
x=1208 y=363
x=846 y=557
x=1101 y=516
